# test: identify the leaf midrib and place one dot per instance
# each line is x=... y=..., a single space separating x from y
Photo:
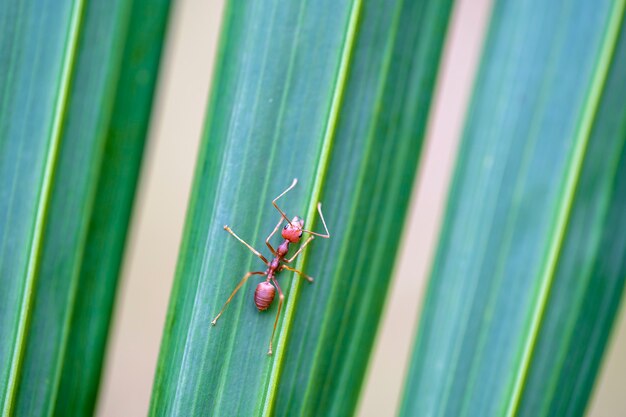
x=320 y=177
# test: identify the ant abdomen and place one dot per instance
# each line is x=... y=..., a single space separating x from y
x=264 y=295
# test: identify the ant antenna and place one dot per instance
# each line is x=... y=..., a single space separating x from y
x=293 y=184
x=325 y=236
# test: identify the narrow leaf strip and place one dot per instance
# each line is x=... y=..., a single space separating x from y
x=320 y=177
x=55 y=136
x=572 y=176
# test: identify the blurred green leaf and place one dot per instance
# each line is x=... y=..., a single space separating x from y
x=76 y=92
x=532 y=258
x=335 y=93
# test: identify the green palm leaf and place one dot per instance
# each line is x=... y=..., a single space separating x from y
x=336 y=94
x=75 y=93
x=531 y=262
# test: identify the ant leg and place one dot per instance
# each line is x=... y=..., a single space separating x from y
x=300 y=249
x=256 y=252
x=280 y=306
x=325 y=236
x=293 y=184
x=302 y=274
x=243 y=281
x=267 y=241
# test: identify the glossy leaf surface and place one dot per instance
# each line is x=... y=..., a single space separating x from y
x=76 y=92
x=335 y=93
x=531 y=262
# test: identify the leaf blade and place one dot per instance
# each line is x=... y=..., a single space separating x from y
x=512 y=180
x=70 y=137
x=583 y=137
x=223 y=370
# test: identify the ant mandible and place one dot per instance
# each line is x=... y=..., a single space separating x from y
x=292 y=232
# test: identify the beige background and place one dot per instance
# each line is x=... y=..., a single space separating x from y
x=164 y=190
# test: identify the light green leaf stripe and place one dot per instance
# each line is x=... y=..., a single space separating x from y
x=320 y=177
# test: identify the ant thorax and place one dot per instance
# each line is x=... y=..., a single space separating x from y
x=282 y=249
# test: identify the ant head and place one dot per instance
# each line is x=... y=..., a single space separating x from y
x=293 y=232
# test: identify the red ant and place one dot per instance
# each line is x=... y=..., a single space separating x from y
x=292 y=232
